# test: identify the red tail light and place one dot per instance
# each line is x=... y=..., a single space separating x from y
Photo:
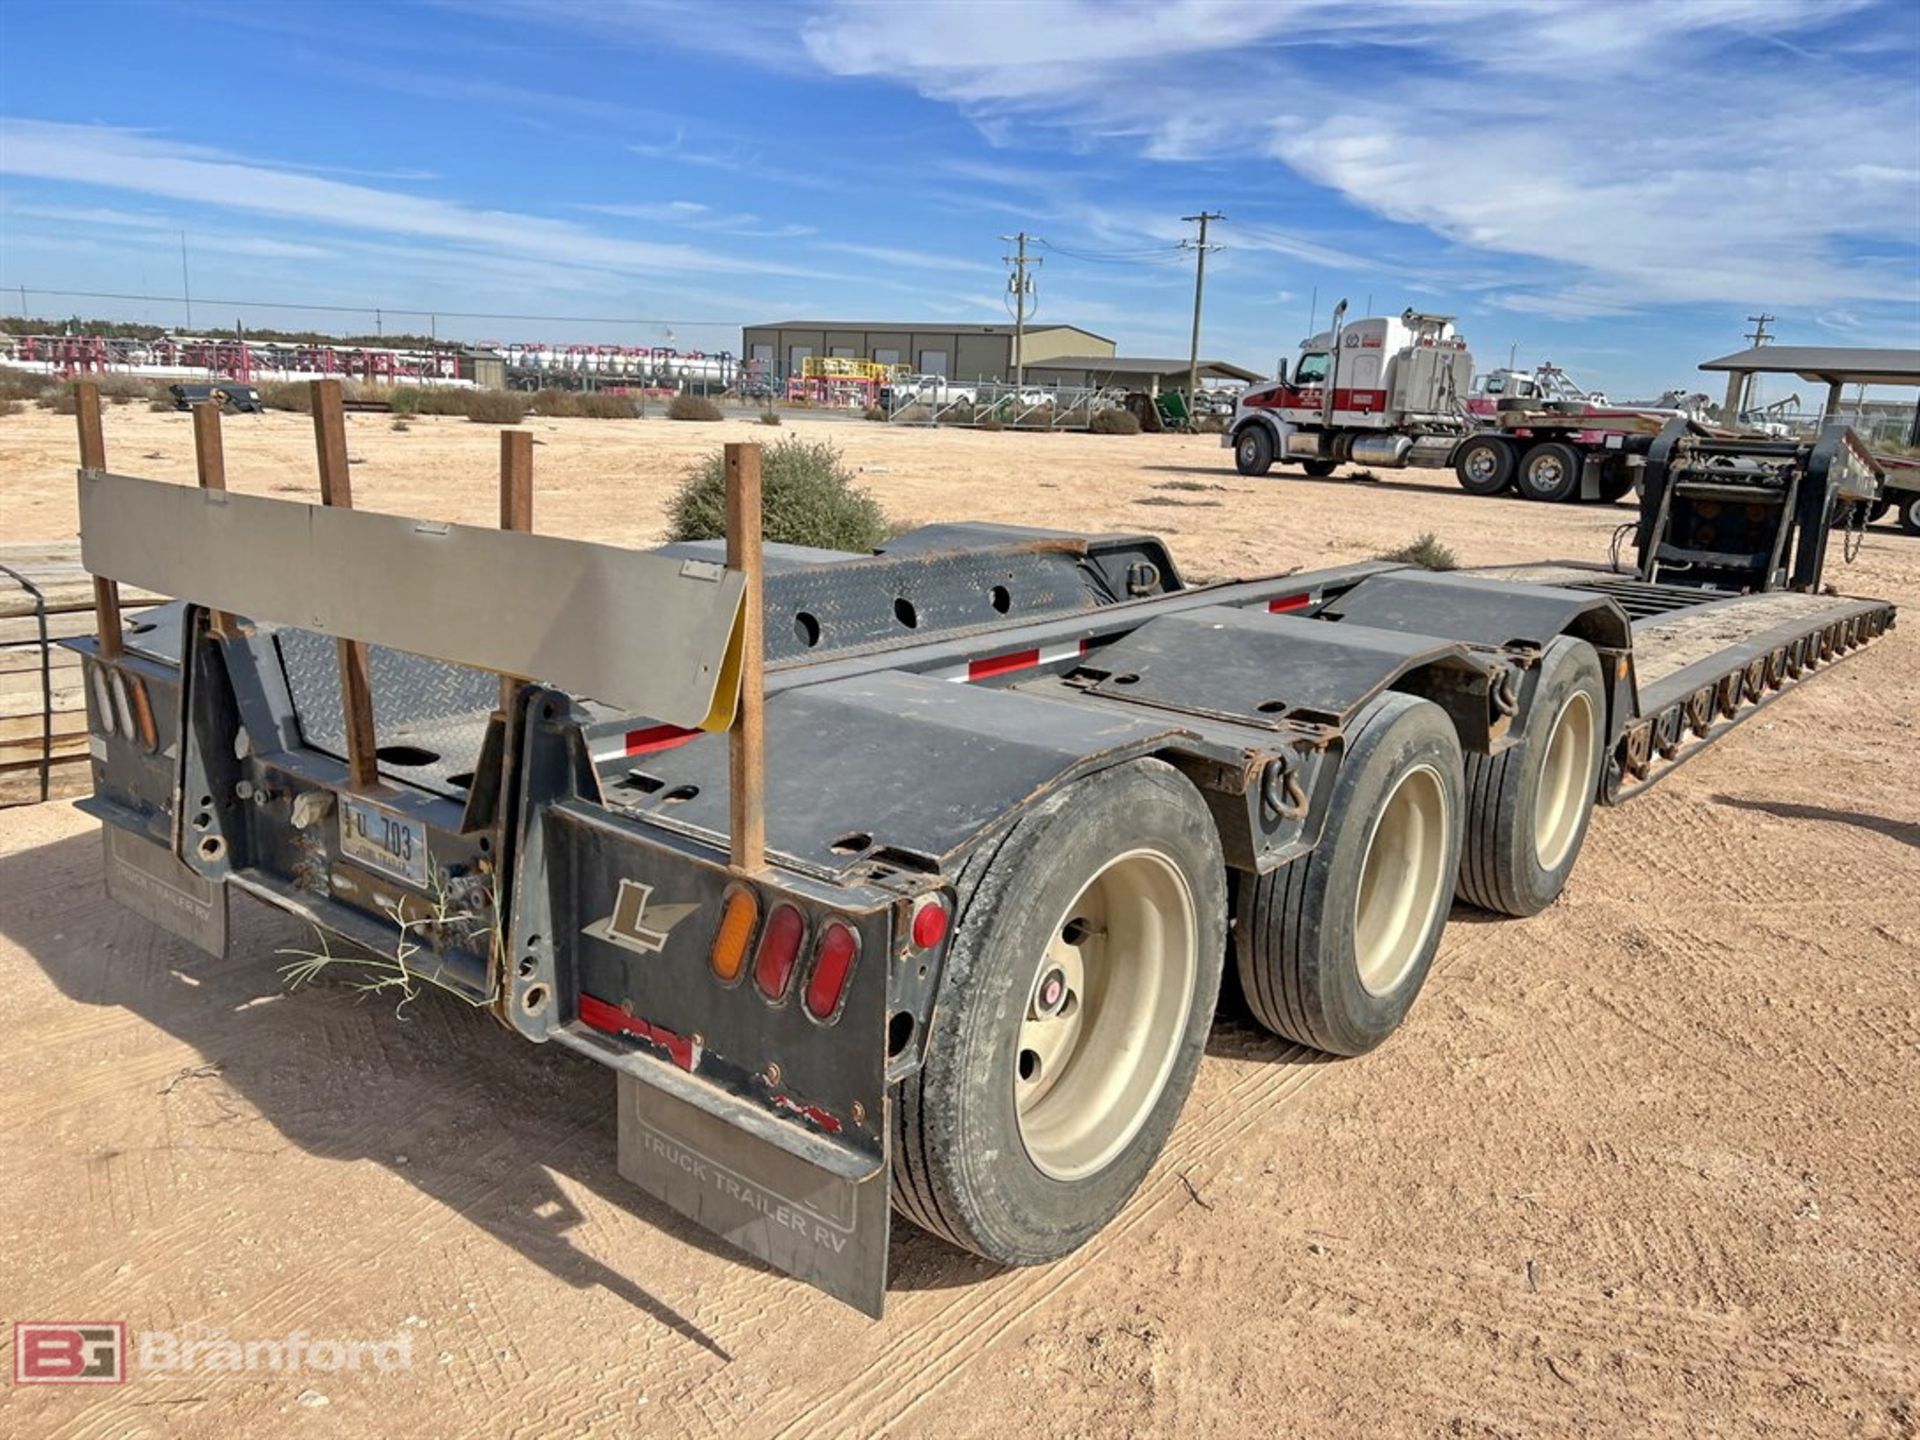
x=779 y=949
x=839 y=946
x=930 y=924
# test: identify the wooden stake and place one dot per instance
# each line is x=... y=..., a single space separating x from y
x=210 y=460
x=747 y=757
x=93 y=456
x=516 y=511
x=356 y=682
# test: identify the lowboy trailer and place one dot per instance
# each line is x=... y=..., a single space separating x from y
x=1025 y=794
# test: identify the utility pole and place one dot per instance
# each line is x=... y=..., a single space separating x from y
x=186 y=290
x=1200 y=248
x=1741 y=383
x=1021 y=286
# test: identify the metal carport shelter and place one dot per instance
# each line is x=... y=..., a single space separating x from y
x=1837 y=365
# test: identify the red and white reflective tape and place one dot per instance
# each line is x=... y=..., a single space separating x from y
x=682 y=1050
x=1290 y=602
x=1009 y=663
x=645 y=742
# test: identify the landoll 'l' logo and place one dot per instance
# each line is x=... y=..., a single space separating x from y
x=635 y=923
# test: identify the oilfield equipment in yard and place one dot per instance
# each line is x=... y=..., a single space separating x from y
x=889 y=883
x=1393 y=392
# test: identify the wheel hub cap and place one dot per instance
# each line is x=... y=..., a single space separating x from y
x=1104 y=1015
x=1565 y=775
x=1403 y=880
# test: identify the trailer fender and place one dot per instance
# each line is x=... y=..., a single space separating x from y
x=1272 y=671
x=1494 y=615
x=891 y=766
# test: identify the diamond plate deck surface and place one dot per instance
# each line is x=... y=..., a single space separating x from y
x=427 y=704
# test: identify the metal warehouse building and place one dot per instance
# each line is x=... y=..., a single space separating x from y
x=962 y=352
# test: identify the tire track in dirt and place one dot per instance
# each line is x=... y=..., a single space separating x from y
x=928 y=1352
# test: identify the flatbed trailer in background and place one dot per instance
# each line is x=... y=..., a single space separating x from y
x=1024 y=792
x=1392 y=392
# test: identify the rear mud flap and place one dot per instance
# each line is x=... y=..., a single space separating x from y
x=821 y=1227
x=152 y=882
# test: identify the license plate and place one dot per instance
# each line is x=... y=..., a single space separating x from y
x=389 y=843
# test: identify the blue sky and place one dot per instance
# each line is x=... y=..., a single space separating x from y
x=1613 y=186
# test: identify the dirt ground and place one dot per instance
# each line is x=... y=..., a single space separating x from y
x=1643 y=1165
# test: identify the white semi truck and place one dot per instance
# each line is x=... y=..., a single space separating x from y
x=1395 y=391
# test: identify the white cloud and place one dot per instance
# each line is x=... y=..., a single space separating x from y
x=1650 y=150
x=134 y=161
x=202 y=239
x=692 y=215
x=907 y=259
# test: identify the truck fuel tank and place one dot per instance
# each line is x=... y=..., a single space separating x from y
x=1388 y=451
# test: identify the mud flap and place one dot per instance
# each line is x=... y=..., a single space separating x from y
x=151 y=881
x=820 y=1226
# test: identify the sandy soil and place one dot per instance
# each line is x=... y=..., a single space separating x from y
x=1645 y=1164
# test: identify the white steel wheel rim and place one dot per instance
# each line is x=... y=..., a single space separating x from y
x=1560 y=798
x=1249 y=449
x=1403 y=880
x=1104 y=1015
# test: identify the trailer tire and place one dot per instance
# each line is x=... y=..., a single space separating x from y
x=1313 y=970
x=1483 y=465
x=1549 y=471
x=1319 y=469
x=1910 y=512
x=1253 y=450
x=979 y=1159
x=1528 y=807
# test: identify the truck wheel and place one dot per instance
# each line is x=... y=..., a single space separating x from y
x=1071 y=1018
x=1253 y=450
x=1319 y=469
x=1528 y=807
x=1910 y=512
x=1334 y=947
x=1549 y=471
x=1484 y=466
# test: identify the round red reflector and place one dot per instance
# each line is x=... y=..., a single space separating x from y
x=930 y=925
x=838 y=946
x=779 y=948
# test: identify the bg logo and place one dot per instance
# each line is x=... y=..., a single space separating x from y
x=51 y=1352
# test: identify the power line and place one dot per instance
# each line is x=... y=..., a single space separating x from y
x=1162 y=254
x=1200 y=248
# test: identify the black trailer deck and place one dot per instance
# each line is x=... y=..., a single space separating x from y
x=564 y=861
